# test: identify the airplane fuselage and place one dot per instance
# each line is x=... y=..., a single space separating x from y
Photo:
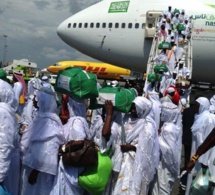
x=115 y=32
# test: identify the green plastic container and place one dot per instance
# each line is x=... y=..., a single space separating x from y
x=77 y=83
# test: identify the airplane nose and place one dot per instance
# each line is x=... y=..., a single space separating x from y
x=61 y=30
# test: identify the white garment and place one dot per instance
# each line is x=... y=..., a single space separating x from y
x=125 y=180
x=18 y=90
x=156 y=106
x=146 y=159
x=29 y=112
x=9 y=149
x=66 y=181
x=41 y=142
x=203 y=124
x=160 y=58
x=125 y=161
x=9 y=139
x=170 y=146
x=182 y=71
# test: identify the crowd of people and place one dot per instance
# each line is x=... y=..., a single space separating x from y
x=144 y=146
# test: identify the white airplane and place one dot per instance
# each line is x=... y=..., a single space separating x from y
x=120 y=32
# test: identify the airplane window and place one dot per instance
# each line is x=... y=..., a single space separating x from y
x=85 y=25
x=97 y=25
x=116 y=25
x=137 y=25
x=110 y=25
x=74 y=25
x=103 y=25
x=123 y=25
x=80 y=25
x=129 y=25
x=143 y=25
x=69 y=25
x=91 y=25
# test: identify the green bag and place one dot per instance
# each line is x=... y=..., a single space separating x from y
x=180 y=27
x=159 y=68
x=76 y=83
x=95 y=178
x=165 y=45
x=152 y=78
x=176 y=11
x=121 y=98
x=3 y=75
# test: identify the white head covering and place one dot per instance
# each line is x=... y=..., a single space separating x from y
x=7 y=94
x=183 y=102
x=170 y=90
x=143 y=106
x=212 y=100
x=114 y=83
x=44 y=78
x=169 y=112
x=46 y=100
x=204 y=104
x=33 y=84
x=76 y=107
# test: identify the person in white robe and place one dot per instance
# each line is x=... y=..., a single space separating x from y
x=153 y=96
x=29 y=110
x=133 y=125
x=212 y=106
x=170 y=147
x=42 y=141
x=77 y=129
x=9 y=139
x=106 y=128
x=203 y=125
x=20 y=91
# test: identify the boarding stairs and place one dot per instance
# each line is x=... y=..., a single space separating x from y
x=187 y=56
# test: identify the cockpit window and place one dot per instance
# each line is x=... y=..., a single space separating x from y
x=80 y=25
x=69 y=25
x=85 y=25
x=123 y=25
x=110 y=25
x=91 y=25
x=74 y=25
x=129 y=25
x=137 y=25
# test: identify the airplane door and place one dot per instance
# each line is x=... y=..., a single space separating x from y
x=151 y=20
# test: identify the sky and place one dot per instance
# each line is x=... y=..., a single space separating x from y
x=31 y=30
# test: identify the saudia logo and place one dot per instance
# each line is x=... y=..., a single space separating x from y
x=210 y=19
x=116 y=7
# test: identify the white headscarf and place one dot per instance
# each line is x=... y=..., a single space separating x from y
x=46 y=100
x=204 y=104
x=169 y=112
x=212 y=100
x=143 y=106
x=7 y=94
x=33 y=84
x=203 y=113
x=212 y=106
x=76 y=107
x=45 y=131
